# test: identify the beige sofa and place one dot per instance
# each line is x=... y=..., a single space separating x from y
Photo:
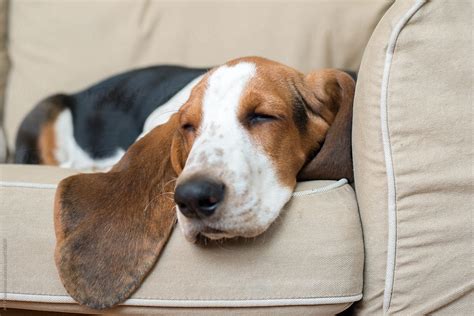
x=412 y=148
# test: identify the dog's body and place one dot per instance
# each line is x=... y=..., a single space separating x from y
x=93 y=128
x=231 y=144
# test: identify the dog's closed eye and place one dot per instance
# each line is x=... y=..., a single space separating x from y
x=256 y=118
x=188 y=127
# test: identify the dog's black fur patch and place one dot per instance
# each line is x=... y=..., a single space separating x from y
x=110 y=114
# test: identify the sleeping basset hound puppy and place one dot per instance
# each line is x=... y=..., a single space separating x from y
x=224 y=163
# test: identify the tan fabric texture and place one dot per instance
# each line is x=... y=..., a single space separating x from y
x=320 y=310
x=4 y=66
x=314 y=250
x=64 y=46
x=429 y=110
x=369 y=164
x=4 y=63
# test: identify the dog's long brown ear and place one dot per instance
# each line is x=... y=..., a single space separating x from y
x=329 y=94
x=110 y=227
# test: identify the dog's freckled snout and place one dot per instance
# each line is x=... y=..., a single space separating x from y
x=199 y=196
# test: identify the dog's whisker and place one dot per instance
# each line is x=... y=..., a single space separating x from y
x=170 y=181
x=153 y=200
x=171 y=199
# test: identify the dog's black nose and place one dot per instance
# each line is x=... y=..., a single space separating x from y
x=199 y=196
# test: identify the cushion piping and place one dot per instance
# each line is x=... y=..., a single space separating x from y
x=326 y=188
x=391 y=192
x=32 y=185
x=196 y=303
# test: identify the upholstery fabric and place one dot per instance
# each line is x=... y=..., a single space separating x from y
x=428 y=150
x=64 y=46
x=310 y=261
x=4 y=67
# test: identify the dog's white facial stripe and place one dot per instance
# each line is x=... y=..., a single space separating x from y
x=224 y=150
x=163 y=113
x=224 y=90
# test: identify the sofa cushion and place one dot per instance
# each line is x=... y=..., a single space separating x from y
x=412 y=148
x=57 y=45
x=309 y=262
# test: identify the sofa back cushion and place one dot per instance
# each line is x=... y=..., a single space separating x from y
x=57 y=45
x=413 y=153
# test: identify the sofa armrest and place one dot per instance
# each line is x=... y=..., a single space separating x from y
x=309 y=262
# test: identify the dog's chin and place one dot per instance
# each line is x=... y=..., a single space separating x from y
x=213 y=234
x=193 y=229
x=192 y=233
x=217 y=236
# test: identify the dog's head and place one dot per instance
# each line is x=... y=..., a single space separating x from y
x=249 y=128
x=232 y=154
